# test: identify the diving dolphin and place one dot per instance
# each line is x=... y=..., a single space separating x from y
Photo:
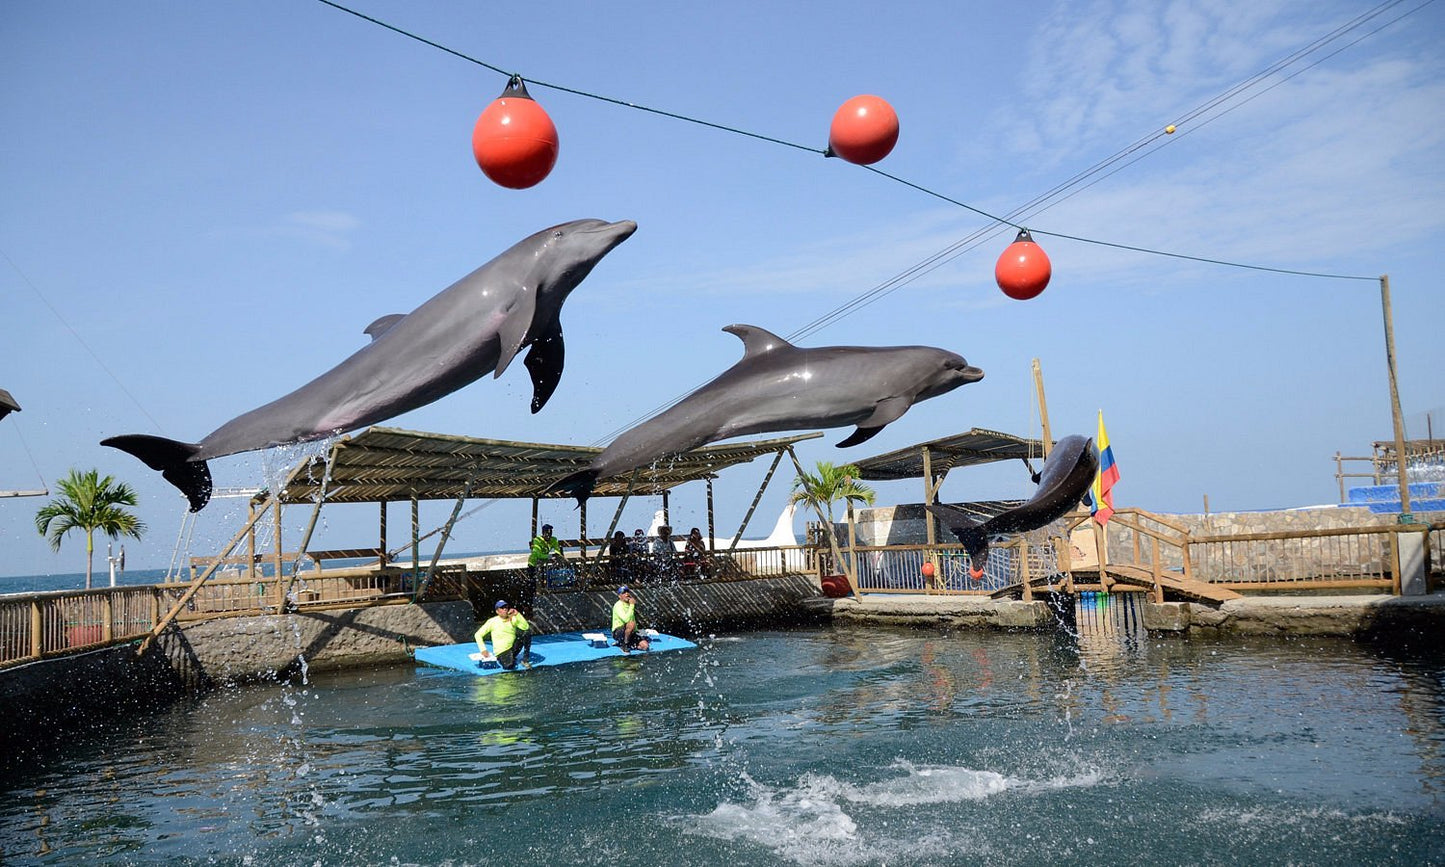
x=1067 y=474
x=471 y=328
x=778 y=386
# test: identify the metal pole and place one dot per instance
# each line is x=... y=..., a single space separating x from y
x=1405 y=516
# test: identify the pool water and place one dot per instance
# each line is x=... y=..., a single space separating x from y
x=829 y=746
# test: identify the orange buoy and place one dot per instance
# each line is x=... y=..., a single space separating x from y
x=514 y=140
x=864 y=130
x=1023 y=271
x=927 y=570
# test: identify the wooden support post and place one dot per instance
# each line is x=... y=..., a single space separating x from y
x=621 y=504
x=768 y=477
x=416 y=535
x=1395 y=563
x=251 y=541
x=1101 y=544
x=163 y=622
x=1024 y=573
x=582 y=529
x=446 y=535
x=930 y=522
x=381 y=535
x=852 y=536
x=1395 y=404
x=1158 y=594
x=37 y=628
x=1043 y=408
x=276 y=527
x=281 y=596
x=711 y=529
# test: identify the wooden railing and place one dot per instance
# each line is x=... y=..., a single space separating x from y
x=606 y=572
x=900 y=568
x=42 y=625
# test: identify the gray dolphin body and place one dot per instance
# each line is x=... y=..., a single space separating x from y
x=777 y=386
x=474 y=327
x=1067 y=474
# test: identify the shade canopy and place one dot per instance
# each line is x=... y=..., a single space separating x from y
x=387 y=464
x=7 y=403
x=976 y=446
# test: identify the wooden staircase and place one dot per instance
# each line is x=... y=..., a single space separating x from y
x=1176 y=587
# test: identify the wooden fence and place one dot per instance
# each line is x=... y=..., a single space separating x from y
x=42 y=625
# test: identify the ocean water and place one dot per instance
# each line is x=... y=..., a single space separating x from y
x=819 y=746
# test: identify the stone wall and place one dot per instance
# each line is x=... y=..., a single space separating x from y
x=1328 y=558
x=45 y=701
x=688 y=608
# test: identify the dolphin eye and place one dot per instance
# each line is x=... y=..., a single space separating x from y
x=557 y=234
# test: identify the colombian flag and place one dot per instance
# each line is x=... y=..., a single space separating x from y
x=1101 y=493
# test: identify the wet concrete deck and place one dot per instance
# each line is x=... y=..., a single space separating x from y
x=1279 y=615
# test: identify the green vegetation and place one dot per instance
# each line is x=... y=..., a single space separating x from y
x=829 y=485
x=90 y=503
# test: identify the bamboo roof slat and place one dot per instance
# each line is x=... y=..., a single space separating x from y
x=383 y=464
x=971 y=448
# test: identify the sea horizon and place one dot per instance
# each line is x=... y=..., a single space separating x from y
x=63 y=581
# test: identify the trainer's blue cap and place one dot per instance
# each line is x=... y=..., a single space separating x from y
x=501 y=603
x=623 y=589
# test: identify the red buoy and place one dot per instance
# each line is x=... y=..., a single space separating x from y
x=1023 y=271
x=514 y=141
x=927 y=570
x=864 y=130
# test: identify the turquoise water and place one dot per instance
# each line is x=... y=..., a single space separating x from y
x=828 y=746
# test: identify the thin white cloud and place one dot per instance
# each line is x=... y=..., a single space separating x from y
x=330 y=229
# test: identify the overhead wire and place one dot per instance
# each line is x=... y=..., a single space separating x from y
x=1014 y=219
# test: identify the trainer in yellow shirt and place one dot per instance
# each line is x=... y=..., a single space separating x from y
x=624 y=622
x=511 y=634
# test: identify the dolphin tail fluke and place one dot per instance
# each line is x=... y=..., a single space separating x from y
x=971 y=534
x=578 y=485
x=174 y=460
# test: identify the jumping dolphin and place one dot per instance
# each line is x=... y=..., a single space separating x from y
x=1066 y=475
x=778 y=386
x=471 y=328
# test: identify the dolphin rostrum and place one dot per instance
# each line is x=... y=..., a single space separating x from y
x=778 y=386
x=472 y=328
x=1067 y=474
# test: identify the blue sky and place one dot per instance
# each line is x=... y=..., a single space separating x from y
x=203 y=204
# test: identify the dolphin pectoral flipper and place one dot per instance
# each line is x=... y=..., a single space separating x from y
x=544 y=362
x=860 y=435
x=888 y=410
x=381 y=325
x=174 y=460
x=514 y=328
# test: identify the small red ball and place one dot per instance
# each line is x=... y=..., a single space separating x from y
x=515 y=142
x=927 y=570
x=1023 y=271
x=864 y=130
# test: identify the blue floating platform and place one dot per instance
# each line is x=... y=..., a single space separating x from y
x=562 y=648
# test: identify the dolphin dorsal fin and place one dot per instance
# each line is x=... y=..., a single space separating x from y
x=382 y=325
x=757 y=341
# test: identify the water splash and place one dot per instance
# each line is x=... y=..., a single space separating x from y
x=826 y=820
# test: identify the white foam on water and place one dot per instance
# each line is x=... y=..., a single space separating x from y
x=814 y=821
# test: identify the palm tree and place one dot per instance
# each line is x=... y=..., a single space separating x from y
x=88 y=502
x=830 y=485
